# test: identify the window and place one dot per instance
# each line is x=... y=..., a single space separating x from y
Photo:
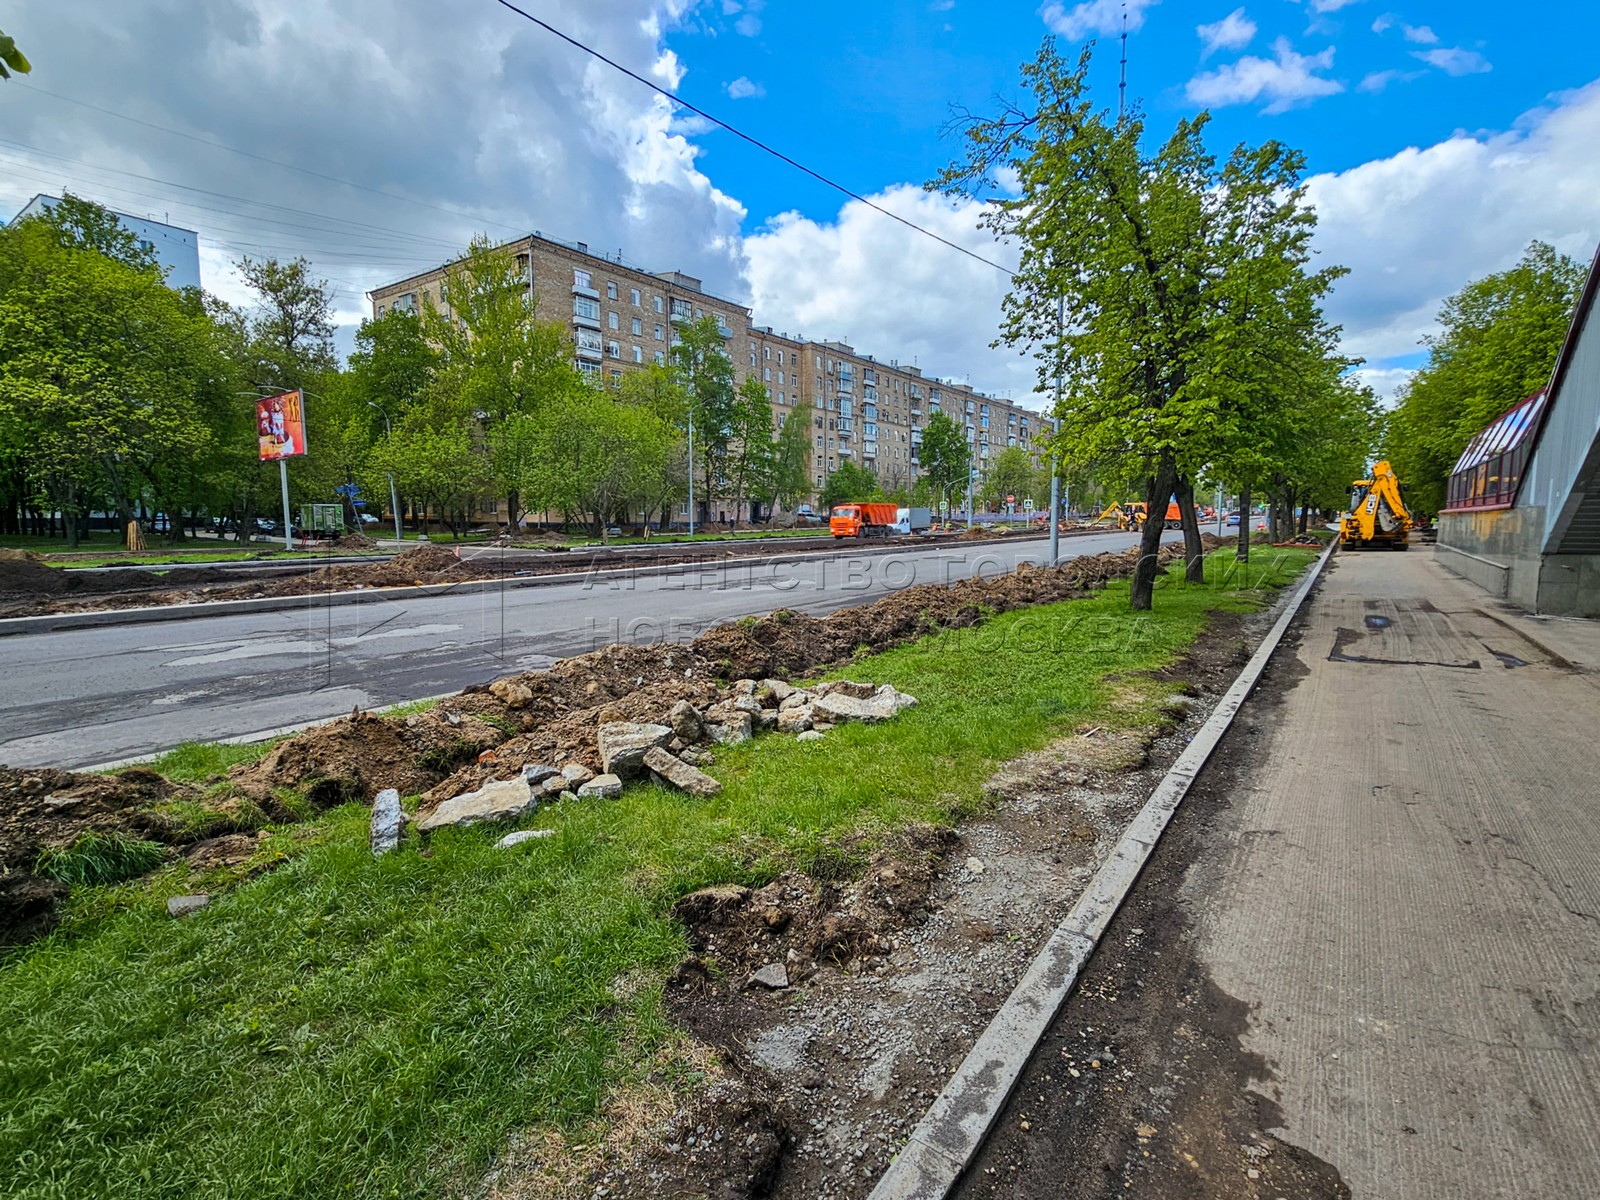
x=661 y=358
x=588 y=340
x=781 y=400
x=633 y=294
x=766 y=352
x=638 y=354
x=752 y=358
x=780 y=358
x=585 y=308
x=638 y=325
x=616 y=377
x=613 y=350
x=611 y=291
x=382 y=310
x=658 y=304
x=682 y=310
x=591 y=369
x=780 y=373
x=580 y=278
x=660 y=333
x=766 y=375
x=611 y=319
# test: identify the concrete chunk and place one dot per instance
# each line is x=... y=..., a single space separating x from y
x=182 y=906
x=773 y=976
x=680 y=774
x=794 y=720
x=536 y=773
x=623 y=745
x=497 y=800
x=602 y=787
x=840 y=706
x=685 y=721
x=523 y=835
x=387 y=820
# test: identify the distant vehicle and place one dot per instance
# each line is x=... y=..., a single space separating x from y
x=863 y=520
x=804 y=511
x=1233 y=518
x=266 y=525
x=368 y=519
x=161 y=523
x=913 y=520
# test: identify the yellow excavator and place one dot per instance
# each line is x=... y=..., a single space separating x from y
x=1378 y=517
x=1123 y=516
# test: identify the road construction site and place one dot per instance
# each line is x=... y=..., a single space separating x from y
x=1359 y=961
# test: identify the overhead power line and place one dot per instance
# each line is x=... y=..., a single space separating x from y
x=288 y=166
x=754 y=141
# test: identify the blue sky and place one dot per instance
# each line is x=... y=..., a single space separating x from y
x=375 y=138
x=861 y=90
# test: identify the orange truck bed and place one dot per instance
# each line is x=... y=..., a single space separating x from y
x=862 y=520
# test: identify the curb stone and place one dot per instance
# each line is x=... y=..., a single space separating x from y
x=956 y=1124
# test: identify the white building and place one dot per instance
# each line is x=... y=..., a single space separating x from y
x=176 y=249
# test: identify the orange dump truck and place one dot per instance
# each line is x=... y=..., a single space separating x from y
x=862 y=520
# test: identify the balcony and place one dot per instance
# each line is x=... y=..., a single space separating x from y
x=586 y=322
x=593 y=353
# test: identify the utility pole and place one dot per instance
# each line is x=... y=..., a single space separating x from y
x=394 y=500
x=1055 y=461
x=691 y=472
x=1122 y=84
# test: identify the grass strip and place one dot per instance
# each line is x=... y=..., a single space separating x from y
x=345 y=1026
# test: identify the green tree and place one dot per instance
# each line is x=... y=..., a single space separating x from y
x=946 y=457
x=749 y=468
x=705 y=373
x=1012 y=473
x=601 y=457
x=11 y=58
x=433 y=456
x=1498 y=341
x=850 y=484
x=1157 y=256
x=291 y=331
x=105 y=373
x=791 y=459
x=499 y=363
x=392 y=363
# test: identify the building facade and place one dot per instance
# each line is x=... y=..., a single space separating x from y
x=175 y=248
x=621 y=318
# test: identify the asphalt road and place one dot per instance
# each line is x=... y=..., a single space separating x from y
x=95 y=695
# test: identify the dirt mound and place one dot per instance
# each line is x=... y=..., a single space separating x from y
x=800 y=921
x=353 y=541
x=47 y=810
x=354 y=758
x=25 y=574
x=788 y=644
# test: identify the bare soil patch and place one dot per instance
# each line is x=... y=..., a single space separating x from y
x=893 y=973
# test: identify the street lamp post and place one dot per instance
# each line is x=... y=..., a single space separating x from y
x=394 y=500
x=691 y=472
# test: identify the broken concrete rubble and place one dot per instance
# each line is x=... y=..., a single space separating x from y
x=601 y=787
x=623 y=745
x=511 y=693
x=794 y=720
x=576 y=774
x=182 y=906
x=523 y=835
x=680 y=774
x=685 y=721
x=497 y=800
x=537 y=773
x=387 y=818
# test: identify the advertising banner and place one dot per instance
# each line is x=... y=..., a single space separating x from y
x=281 y=426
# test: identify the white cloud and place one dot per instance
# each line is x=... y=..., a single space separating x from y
x=1420 y=34
x=1378 y=80
x=1094 y=16
x=941 y=5
x=1418 y=225
x=1384 y=23
x=1385 y=382
x=1455 y=60
x=514 y=131
x=1233 y=32
x=1284 y=81
x=743 y=89
x=1328 y=6
x=889 y=291
x=749 y=24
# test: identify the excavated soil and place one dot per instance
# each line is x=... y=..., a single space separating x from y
x=891 y=975
x=475 y=736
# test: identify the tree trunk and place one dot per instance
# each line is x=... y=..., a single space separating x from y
x=1194 y=554
x=1243 y=551
x=1305 y=510
x=1141 y=595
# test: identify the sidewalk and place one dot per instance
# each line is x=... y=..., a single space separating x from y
x=1406 y=891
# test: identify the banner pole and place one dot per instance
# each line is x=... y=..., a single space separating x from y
x=288 y=531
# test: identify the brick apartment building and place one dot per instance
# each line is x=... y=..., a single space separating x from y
x=621 y=318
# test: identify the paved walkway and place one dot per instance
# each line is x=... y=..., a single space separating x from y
x=1409 y=897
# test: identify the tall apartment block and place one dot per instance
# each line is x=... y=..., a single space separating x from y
x=863 y=410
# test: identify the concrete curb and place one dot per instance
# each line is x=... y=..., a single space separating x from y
x=955 y=1126
x=66 y=622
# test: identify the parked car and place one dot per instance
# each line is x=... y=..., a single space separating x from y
x=369 y=519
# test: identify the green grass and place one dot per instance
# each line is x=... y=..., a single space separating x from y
x=350 y=1027
x=202 y=762
x=97 y=859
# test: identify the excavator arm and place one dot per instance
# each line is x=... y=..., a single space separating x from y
x=1378 y=515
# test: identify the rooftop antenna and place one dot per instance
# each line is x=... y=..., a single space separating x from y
x=1122 y=83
